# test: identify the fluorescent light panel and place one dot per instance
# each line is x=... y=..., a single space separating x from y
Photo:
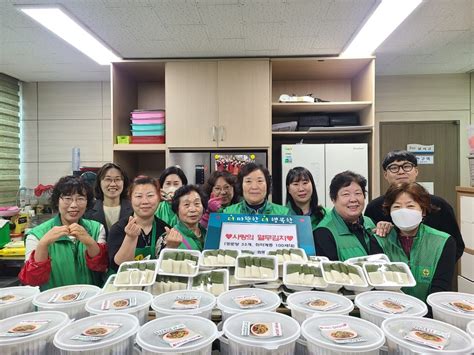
x=57 y=21
x=385 y=19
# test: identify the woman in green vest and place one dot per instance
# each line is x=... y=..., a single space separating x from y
x=344 y=232
x=188 y=204
x=66 y=249
x=255 y=185
x=302 y=197
x=430 y=253
x=171 y=179
x=140 y=234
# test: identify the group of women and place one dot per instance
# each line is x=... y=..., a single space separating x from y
x=130 y=221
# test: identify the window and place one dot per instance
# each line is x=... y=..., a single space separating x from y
x=9 y=139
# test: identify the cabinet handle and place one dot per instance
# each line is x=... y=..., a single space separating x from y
x=214 y=139
x=222 y=133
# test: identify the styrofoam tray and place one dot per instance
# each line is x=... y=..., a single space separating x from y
x=205 y=252
x=147 y=264
x=388 y=285
x=369 y=258
x=348 y=286
x=304 y=286
x=304 y=257
x=195 y=269
x=240 y=277
x=207 y=289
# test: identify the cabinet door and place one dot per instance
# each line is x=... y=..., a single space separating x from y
x=244 y=103
x=191 y=104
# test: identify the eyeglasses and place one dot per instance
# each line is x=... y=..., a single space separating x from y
x=114 y=180
x=81 y=200
x=218 y=190
x=406 y=167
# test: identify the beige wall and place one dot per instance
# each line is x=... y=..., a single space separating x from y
x=58 y=116
x=424 y=98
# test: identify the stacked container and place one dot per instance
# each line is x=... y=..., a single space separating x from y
x=163 y=304
x=16 y=300
x=440 y=303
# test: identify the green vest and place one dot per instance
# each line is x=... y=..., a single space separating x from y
x=267 y=208
x=424 y=256
x=190 y=240
x=347 y=244
x=166 y=214
x=68 y=262
x=314 y=219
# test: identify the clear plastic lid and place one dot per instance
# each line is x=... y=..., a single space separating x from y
x=396 y=328
x=43 y=299
x=164 y=302
x=55 y=320
x=296 y=301
x=142 y=300
x=13 y=296
x=150 y=341
x=374 y=337
x=290 y=329
x=414 y=307
x=470 y=328
x=226 y=301
x=63 y=338
x=440 y=301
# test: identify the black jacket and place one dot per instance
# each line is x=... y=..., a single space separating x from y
x=96 y=212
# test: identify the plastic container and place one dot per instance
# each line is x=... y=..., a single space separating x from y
x=364 y=286
x=153 y=344
x=396 y=328
x=444 y=313
x=253 y=345
x=470 y=328
x=300 y=311
x=143 y=266
x=163 y=304
x=228 y=307
x=140 y=310
x=365 y=300
x=301 y=347
x=109 y=286
x=271 y=277
x=204 y=260
x=209 y=286
x=74 y=309
x=39 y=342
x=193 y=270
x=389 y=285
x=17 y=300
x=318 y=344
x=148 y=127
x=359 y=260
x=280 y=262
x=120 y=342
x=293 y=285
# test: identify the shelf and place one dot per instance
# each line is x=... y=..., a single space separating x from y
x=290 y=108
x=139 y=147
x=326 y=131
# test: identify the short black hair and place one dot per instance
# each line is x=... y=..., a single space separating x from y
x=250 y=168
x=297 y=174
x=142 y=180
x=184 y=190
x=398 y=155
x=70 y=185
x=99 y=194
x=170 y=171
x=228 y=177
x=344 y=179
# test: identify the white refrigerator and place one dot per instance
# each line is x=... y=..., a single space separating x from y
x=324 y=161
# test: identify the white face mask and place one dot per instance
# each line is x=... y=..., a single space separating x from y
x=406 y=219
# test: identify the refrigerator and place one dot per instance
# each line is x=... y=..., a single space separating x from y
x=324 y=161
x=199 y=165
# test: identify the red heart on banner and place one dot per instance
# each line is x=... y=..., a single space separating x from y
x=228 y=235
x=290 y=238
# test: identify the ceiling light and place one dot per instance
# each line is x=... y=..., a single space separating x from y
x=58 y=21
x=385 y=19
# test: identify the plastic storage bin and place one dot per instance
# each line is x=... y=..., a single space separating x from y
x=74 y=309
x=444 y=313
x=396 y=328
x=470 y=328
x=365 y=300
x=253 y=345
x=39 y=342
x=120 y=342
x=154 y=344
x=140 y=310
x=228 y=307
x=300 y=311
x=318 y=344
x=17 y=300
x=163 y=303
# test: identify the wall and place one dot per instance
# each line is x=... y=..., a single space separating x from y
x=58 y=116
x=424 y=98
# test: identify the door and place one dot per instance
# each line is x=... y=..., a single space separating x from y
x=244 y=103
x=441 y=170
x=191 y=104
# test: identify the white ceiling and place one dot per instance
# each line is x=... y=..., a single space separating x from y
x=437 y=38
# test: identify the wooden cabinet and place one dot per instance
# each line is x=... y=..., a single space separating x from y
x=222 y=104
x=465 y=207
